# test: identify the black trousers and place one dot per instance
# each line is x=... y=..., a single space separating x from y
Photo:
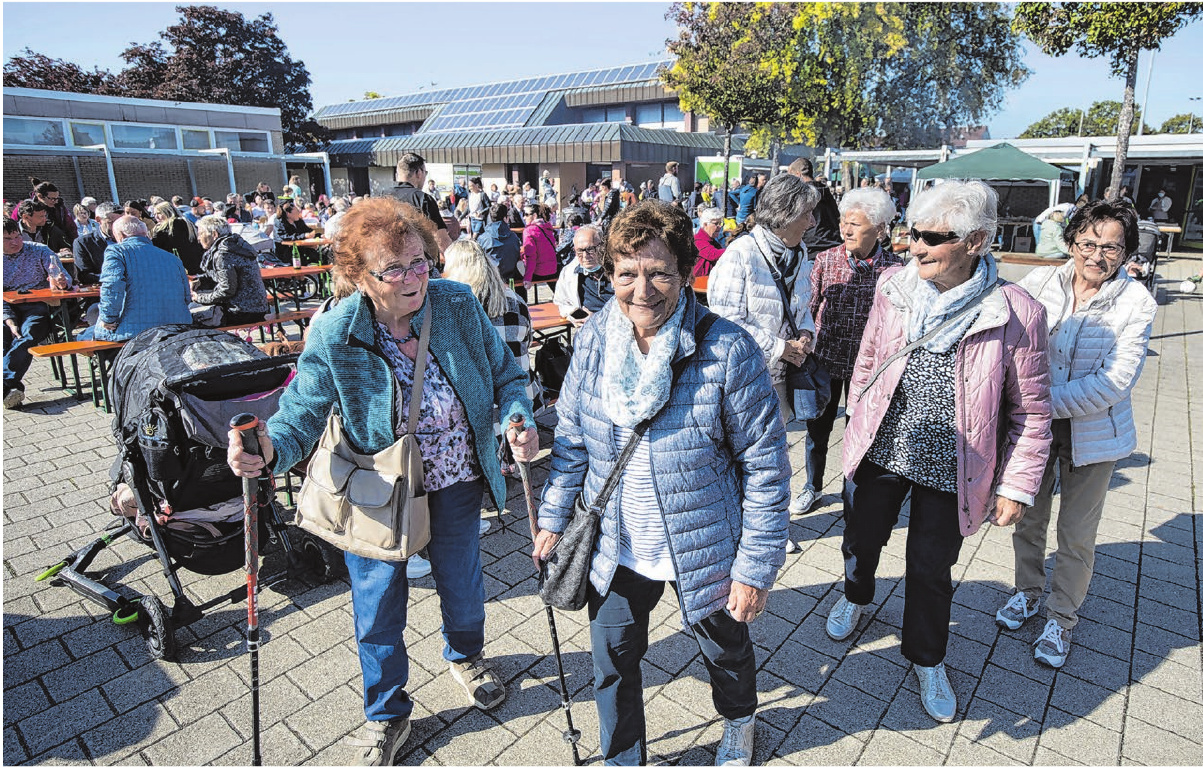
x=818 y=434
x=933 y=543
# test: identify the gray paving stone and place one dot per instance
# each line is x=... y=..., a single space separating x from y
x=893 y=749
x=801 y=666
x=1047 y=757
x=23 y=701
x=200 y=742
x=1085 y=700
x=1000 y=729
x=871 y=674
x=965 y=752
x=1014 y=692
x=14 y=752
x=1157 y=747
x=814 y=743
x=33 y=662
x=1170 y=677
x=1165 y=711
x=324 y=721
x=1184 y=622
x=848 y=709
x=117 y=739
x=64 y=721
x=66 y=682
x=1083 y=739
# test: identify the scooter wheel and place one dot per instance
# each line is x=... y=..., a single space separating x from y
x=160 y=637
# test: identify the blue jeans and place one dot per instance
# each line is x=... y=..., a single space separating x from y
x=33 y=319
x=380 y=599
x=618 y=628
x=477 y=226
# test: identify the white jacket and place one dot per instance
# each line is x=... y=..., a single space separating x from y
x=567 y=295
x=1095 y=356
x=741 y=289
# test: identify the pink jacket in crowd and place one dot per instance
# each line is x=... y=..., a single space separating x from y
x=539 y=250
x=1003 y=410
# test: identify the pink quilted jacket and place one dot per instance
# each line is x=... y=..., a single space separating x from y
x=1003 y=411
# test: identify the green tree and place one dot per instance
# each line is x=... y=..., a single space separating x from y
x=1183 y=123
x=720 y=69
x=1119 y=31
x=1102 y=119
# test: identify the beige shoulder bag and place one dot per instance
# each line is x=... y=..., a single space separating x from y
x=373 y=505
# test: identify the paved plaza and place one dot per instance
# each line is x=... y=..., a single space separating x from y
x=79 y=689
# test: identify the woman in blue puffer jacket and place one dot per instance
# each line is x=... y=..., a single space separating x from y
x=702 y=502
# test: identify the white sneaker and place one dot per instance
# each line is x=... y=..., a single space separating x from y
x=417 y=567
x=14 y=398
x=485 y=525
x=804 y=502
x=1017 y=611
x=738 y=742
x=936 y=693
x=842 y=619
x=1052 y=647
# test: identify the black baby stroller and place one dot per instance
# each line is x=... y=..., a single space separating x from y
x=175 y=389
x=1146 y=254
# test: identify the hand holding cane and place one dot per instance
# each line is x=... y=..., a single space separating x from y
x=247 y=426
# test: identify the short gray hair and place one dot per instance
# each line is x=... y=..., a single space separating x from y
x=783 y=200
x=341 y=204
x=104 y=210
x=88 y=201
x=962 y=207
x=591 y=227
x=129 y=227
x=710 y=215
x=873 y=202
x=212 y=226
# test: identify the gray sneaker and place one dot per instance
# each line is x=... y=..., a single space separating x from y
x=381 y=741
x=738 y=742
x=804 y=502
x=1052 y=647
x=842 y=619
x=1018 y=610
x=478 y=680
x=936 y=693
x=13 y=398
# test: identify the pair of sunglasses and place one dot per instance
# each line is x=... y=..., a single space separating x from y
x=932 y=238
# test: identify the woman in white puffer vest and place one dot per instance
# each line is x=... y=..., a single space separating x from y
x=1099 y=324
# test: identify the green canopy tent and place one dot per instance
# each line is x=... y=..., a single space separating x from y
x=1002 y=162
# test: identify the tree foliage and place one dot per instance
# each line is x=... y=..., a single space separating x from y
x=1101 y=119
x=211 y=56
x=1183 y=123
x=1117 y=31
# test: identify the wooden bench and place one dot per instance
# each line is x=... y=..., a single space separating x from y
x=98 y=364
x=1030 y=260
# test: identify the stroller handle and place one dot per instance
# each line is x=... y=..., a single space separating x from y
x=246 y=425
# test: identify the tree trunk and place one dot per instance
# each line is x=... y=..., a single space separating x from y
x=1124 y=130
x=726 y=167
x=774 y=156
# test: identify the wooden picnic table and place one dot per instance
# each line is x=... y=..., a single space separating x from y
x=273 y=276
x=63 y=301
x=1169 y=230
x=308 y=243
x=546 y=317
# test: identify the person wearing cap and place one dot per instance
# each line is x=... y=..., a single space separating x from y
x=196 y=210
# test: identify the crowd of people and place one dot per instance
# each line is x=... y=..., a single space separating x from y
x=973 y=395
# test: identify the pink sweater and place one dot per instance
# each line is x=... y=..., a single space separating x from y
x=539 y=250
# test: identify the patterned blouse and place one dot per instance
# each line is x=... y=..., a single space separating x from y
x=444 y=434
x=840 y=300
x=917 y=438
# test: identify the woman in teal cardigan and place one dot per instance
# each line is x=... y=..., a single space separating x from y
x=359 y=358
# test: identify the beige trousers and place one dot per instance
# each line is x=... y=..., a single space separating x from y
x=1083 y=490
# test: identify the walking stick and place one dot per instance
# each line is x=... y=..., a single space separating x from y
x=247 y=427
x=571 y=735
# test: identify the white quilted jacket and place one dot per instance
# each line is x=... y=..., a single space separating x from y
x=741 y=289
x=1095 y=357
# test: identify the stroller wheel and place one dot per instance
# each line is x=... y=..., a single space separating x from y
x=323 y=561
x=160 y=637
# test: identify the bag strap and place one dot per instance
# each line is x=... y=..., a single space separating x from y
x=628 y=450
x=921 y=341
x=415 y=396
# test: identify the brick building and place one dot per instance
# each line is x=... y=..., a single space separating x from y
x=115 y=148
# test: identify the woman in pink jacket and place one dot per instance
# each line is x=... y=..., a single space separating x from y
x=539 y=249
x=950 y=402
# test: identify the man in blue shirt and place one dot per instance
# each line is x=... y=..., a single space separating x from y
x=743 y=198
x=27 y=265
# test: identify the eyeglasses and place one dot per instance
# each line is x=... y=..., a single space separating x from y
x=1108 y=250
x=933 y=239
x=660 y=279
x=590 y=251
x=417 y=268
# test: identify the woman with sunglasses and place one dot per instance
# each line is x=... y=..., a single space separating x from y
x=1100 y=320
x=950 y=402
x=842 y=284
x=360 y=359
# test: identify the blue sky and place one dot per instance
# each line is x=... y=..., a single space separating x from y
x=395 y=48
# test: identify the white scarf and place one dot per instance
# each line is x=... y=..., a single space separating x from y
x=930 y=308
x=636 y=386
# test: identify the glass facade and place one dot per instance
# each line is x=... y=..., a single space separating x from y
x=142 y=137
x=34 y=132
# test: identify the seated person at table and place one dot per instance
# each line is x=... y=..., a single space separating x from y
x=230 y=274
x=177 y=234
x=1052 y=237
x=502 y=245
x=89 y=249
x=290 y=225
x=710 y=224
x=27 y=266
x=583 y=287
x=36 y=227
x=141 y=286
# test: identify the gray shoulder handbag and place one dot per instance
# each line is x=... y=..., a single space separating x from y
x=373 y=505
x=564 y=578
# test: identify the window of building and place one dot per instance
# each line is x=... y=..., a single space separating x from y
x=30 y=131
x=143 y=137
x=87 y=134
x=243 y=141
x=196 y=140
x=666 y=115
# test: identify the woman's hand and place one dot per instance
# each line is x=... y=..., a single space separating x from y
x=525 y=443
x=795 y=351
x=247 y=465
x=544 y=541
x=1006 y=511
x=746 y=603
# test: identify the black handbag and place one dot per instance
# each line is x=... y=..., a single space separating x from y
x=551 y=363
x=564 y=578
x=808 y=386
